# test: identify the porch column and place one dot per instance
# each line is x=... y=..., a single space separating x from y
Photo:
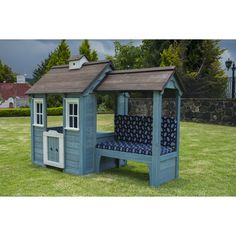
x=45 y=117
x=32 y=129
x=122 y=103
x=122 y=109
x=156 y=142
x=178 y=109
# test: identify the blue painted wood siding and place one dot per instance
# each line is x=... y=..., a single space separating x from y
x=156 y=139
x=38 y=145
x=72 y=143
x=72 y=151
x=106 y=162
x=88 y=128
x=37 y=133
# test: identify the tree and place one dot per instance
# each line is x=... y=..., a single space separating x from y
x=171 y=56
x=126 y=56
x=59 y=56
x=6 y=74
x=152 y=50
x=41 y=70
x=198 y=64
x=85 y=50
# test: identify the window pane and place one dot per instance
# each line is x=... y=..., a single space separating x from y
x=41 y=107
x=37 y=108
x=75 y=109
x=75 y=122
x=71 y=109
x=71 y=121
x=41 y=119
x=37 y=119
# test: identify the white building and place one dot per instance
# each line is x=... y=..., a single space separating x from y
x=12 y=95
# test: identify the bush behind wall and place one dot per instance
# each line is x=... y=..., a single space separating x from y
x=16 y=112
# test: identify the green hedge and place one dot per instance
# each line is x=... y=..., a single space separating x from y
x=12 y=112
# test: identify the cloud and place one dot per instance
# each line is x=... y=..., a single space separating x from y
x=23 y=56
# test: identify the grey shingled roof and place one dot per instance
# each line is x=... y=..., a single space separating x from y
x=76 y=57
x=62 y=80
x=149 y=79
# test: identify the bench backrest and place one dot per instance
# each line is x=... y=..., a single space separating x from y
x=138 y=129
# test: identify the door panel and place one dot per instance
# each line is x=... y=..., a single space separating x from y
x=53 y=149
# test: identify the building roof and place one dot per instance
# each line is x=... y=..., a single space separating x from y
x=62 y=80
x=150 y=79
x=8 y=90
x=75 y=58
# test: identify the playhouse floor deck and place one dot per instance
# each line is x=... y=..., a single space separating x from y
x=207 y=166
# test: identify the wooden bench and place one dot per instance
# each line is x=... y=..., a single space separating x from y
x=133 y=140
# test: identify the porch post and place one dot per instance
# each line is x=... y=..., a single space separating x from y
x=156 y=142
x=122 y=109
x=45 y=122
x=32 y=128
x=122 y=104
x=178 y=109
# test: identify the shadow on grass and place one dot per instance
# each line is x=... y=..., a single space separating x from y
x=129 y=172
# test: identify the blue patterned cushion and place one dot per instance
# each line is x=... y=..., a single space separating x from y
x=169 y=132
x=123 y=146
x=138 y=129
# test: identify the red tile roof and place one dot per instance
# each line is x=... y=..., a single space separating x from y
x=8 y=90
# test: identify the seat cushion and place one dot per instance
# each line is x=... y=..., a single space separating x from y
x=123 y=146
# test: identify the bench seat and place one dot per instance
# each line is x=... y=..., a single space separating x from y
x=123 y=146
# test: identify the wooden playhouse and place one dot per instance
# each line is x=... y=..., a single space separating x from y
x=77 y=147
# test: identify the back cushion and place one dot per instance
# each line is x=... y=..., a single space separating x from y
x=138 y=129
x=168 y=132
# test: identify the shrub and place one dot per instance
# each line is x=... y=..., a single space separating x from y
x=103 y=109
x=14 y=112
x=55 y=111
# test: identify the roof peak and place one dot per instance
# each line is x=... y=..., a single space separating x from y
x=76 y=57
x=167 y=68
x=96 y=62
x=85 y=64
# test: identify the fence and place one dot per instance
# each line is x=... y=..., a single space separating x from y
x=209 y=110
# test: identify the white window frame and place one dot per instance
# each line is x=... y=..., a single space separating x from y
x=38 y=101
x=68 y=102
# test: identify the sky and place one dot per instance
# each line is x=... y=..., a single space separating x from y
x=23 y=56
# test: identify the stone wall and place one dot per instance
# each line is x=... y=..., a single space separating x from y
x=216 y=111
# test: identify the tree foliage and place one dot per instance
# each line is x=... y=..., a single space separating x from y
x=152 y=51
x=126 y=56
x=171 y=56
x=85 y=49
x=197 y=62
x=59 y=56
x=6 y=74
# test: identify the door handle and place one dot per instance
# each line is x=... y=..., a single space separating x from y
x=56 y=149
x=51 y=148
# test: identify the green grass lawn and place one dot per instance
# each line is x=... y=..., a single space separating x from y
x=207 y=166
